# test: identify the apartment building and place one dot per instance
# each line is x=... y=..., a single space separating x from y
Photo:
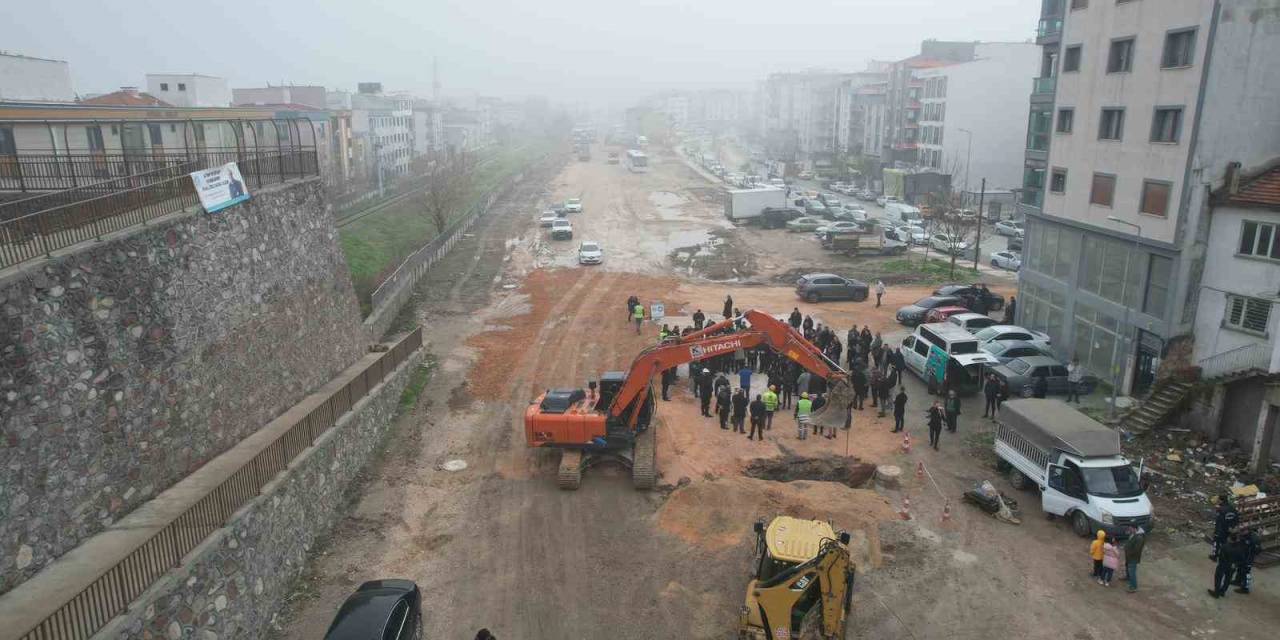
x=903 y=93
x=383 y=123
x=428 y=128
x=189 y=89
x=799 y=114
x=309 y=95
x=852 y=110
x=971 y=120
x=1139 y=110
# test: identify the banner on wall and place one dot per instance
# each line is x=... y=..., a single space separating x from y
x=220 y=187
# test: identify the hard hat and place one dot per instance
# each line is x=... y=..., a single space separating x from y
x=804 y=395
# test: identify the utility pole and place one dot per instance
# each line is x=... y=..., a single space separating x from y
x=968 y=157
x=977 y=243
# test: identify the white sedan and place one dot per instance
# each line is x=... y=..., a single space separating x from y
x=548 y=218
x=1010 y=228
x=590 y=253
x=1011 y=260
x=1005 y=332
x=573 y=205
x=914 y=234
x=948 y=244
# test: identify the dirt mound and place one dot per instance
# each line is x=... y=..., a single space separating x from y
x=846 y=471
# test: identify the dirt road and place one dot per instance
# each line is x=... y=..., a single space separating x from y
x=509 y=313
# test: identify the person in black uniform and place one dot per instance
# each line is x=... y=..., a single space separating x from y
x=899 y=409
x=699 y=318
x=723 y=402
x=740 y=403
x=936 y=415
x=757 y=410
x=1230 y=557
x=1223 y=523
x=704 y=392
x=1250 y=547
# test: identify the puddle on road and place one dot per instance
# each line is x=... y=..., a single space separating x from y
x=668 y=205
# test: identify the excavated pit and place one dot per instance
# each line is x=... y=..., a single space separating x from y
x=847 y=471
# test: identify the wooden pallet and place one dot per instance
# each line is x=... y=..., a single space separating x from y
x=1263 y=516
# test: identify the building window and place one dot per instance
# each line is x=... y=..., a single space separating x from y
x=1258 y=239
x=1111 y=124
x=1166 y=125
x=182 y=87
x=1103 y=191
x=1179 y=49
x=1079 y=4
x=1066 y=119
x=1041 y=122
x=1155 y=198
x=1247 y=314
x=1156 y=299
x=1120 y=59
x=1058 y=181
x=164 y=86
x=1071 y=58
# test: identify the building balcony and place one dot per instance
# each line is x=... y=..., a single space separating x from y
x=1050 y=30
x=905 y=146
x=1044 y=85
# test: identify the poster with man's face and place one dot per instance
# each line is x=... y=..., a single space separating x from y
x=220 y=187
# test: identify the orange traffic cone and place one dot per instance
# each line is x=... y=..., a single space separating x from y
x=906 y=508
x=946 y=512
x=906 y=443
x=920 y=469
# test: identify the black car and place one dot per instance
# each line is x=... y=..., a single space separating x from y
x=814 y=287
x=778 y=217
x=913 y=314
x=380 y=610
x=971 y=294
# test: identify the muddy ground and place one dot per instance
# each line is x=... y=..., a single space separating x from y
x=509 y=313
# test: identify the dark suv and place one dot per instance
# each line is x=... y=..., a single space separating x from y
x=971 y=295
x=913 y=314
x=778 y=217
x=814 y=287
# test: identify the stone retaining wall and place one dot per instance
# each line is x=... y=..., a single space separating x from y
x=232 y=585
x=127 y=364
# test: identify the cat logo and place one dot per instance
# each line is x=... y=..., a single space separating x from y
x=802 y=583
x=696 y=351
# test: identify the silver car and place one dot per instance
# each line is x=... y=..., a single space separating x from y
x=590 y=253
x=1020 y=375
x=1011 y=260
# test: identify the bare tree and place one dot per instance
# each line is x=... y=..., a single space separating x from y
x=447 y=181
x=945 y=211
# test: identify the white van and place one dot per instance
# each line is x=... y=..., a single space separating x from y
x=1075 y=462
x=898 y=212
x=944 y=354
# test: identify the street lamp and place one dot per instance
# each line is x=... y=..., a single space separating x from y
x=1124 y=292
x=967 y=157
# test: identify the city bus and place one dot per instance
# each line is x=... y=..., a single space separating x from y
x=637 y=161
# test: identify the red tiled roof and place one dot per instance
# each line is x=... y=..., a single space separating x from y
x=1261 y=191
x=127 y=99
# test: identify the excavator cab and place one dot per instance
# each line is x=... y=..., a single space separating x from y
x=802 y=586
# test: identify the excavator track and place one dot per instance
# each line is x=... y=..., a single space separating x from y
x=644 y=463
x=570 y=477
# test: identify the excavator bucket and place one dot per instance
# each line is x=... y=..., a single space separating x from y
x=835 y=413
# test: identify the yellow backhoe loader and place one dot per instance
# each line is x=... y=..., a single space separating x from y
x=803 y=583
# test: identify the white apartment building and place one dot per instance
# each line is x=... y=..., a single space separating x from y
x=311 y=96
x=1148 y=105
x=428 y=128
x=189 y=89
x=799 y=114
x=23 y=78
x=972 y=119
x=384 y=124
x=852 y=104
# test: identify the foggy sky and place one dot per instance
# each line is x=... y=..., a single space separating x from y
x=569 y=50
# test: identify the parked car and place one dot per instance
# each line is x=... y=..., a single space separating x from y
x=561 y=229
x=815 y=287
x=838 y=227
x=883 y=200
x=913 y=314
x=866 y=195
x=1002 y=332
x=548 y=218
x=1015 y=244
x=1010 y=228
x=951 y=244
x=971 y=322
x=914 y=234
x=815 y=208
x=1005 y=350
x=590 y=253
x=828 y=200
x=849 y=213
x=573 y=205
x=379 y=610
x=805 y=223
x=1010 y=260
x=971 y=294
x=1020 y=375
x=941 y=314
x=805 y=175
x=778 y=217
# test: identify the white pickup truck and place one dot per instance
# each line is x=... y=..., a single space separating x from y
x=1075 y=462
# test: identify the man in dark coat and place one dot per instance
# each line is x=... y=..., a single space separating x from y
x=723 y=404
x=740 y=403
x=698 y=319
x=859 y=380
x=758 y=411
x=668 y=377
x=952 y=407
x=705 y=392
x=1040 y=387
x=1224 y=521
x=935 y=416
x=1010 y=314
x=1230 y=558
x=795 y=318
x=728 y=307
x=991 y=391
x=899 y=409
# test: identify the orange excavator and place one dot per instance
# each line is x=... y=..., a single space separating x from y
x=611 y=422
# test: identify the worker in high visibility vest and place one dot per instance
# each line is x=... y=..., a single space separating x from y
x=804 y=407
x=637 y=314
x=770 y=398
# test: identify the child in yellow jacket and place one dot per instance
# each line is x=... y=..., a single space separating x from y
x=1095 y=552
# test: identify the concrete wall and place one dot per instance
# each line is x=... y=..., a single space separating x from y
x=198 y=91
x=23 y=78
x=129 y=363
x=232 y=585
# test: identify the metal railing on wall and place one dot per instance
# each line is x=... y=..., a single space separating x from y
x=40 y=225
x=109 y=594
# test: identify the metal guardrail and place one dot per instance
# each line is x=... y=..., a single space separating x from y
x=1250 y=357
x=112 y=592
x=42 y=224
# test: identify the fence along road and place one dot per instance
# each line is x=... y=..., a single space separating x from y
x=82 y=591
